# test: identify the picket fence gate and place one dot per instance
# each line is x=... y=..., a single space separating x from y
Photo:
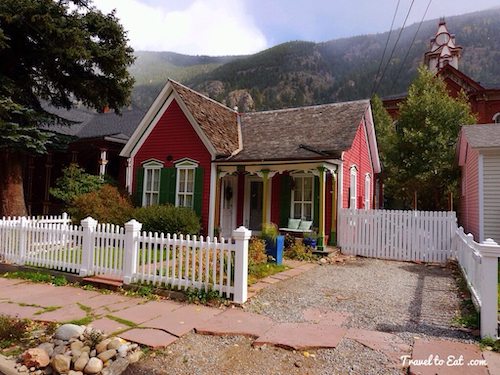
x=399 y=235
x=131 y=254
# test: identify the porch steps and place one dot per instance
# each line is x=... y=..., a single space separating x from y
x=104 y=282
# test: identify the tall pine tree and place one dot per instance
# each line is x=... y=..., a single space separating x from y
x=56 y=52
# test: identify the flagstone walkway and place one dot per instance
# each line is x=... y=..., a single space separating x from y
x=160 y=323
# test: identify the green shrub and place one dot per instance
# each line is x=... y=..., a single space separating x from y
x=269 y=232
x=168 y=219
x=106 y=205
x=300 y=252
x=12 y=330
x=256 y=251
x=289 y=241
x=73 y=183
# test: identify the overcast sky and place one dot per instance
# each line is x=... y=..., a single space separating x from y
x=228 y=27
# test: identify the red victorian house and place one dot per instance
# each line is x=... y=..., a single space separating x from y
x=293 y=167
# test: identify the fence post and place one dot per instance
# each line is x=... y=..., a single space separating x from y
x=89 y=225
x=241 y=237
x=132 y=229
x=23 y=235
x=490 y=252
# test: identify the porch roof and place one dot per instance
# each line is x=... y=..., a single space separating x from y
x=304 y=133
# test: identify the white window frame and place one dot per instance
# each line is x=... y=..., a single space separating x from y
x=302 y=202
x=353 y=187
x=368 y=190
x=156 y=167
x=496 y=118
x=181 y=166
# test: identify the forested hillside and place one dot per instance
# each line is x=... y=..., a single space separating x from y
x=302 y=73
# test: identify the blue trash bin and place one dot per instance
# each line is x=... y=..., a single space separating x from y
x=275 y=249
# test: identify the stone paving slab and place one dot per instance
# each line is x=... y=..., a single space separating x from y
x=64 y=314
x=390 y=345
x=105 y=300
x=183 y=320
x=21 y=312
x=293 y=272
x=327 y=317
x=154 y=338
x=446 y=351
x=257 y=287
x=302 y=336
x=147 y=311
x=111 y=309
x=235 y=322
x=280 y=276
x=9 y=282
x=108 y=326
x=269 y=280
x=49 y=295
x=493 y=360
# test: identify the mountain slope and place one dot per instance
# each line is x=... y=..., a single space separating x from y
x=303 y=73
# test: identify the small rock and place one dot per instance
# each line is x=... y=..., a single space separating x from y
x=22 y=368
x=48 y=371
x=85 y=349
x=114 y=344
x=298 y=364
x=135 y=356
x=61 y=363
x=122 y=350
x=133 y=346
x=59 y=342
x=76 y=345
x=37 y=372
x=71 y=372
x=32 y=369
x=323 y=261
x=117 y=367
x=60 y=349
x=93 y=353
x=102 y=346
x=108 y=363
x=48 y=347
x=35 y=358
x=76 y=354
x=82 y=361
x=68 y=331
x=94 y=366
x=108 y=354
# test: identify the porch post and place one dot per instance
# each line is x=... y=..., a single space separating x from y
x=217 y=203
x=265 y=195
x=333 y=229
x=322 y=192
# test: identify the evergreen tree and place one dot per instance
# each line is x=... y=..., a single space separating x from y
x=424 y=154
x=56 y=52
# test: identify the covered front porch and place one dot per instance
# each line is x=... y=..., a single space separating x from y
x=253 y=194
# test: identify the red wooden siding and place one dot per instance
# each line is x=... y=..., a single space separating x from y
x=358 y=155
x=173 y=136
x=469 y=200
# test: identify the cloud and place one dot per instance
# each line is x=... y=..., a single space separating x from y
x=204 y=27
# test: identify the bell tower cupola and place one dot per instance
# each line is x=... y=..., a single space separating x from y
x=443 y=49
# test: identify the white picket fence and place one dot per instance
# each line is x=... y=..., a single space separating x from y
x=398 y=235
x=479 y=265
x=126 y=252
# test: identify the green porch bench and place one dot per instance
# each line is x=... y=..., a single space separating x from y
x=297 y=226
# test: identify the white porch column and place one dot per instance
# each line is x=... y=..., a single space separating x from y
x=128 y=174
x=103 y=161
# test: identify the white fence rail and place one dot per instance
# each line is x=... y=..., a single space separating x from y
x=479 y=265
x=157 y=259
x=398 y=235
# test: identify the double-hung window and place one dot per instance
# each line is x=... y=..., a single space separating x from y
x=302 y=197
x=184 y=195
x=368 y=190
x=353 y=185
x=151 y=187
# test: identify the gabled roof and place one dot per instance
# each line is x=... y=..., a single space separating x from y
x=315 y=132
x=482 y=136
x=464 y=80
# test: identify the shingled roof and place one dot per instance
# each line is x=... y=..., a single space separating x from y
x=482 y=136
x=218 y=122
x=321 y=131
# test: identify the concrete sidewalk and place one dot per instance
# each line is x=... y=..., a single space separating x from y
x=160 y=323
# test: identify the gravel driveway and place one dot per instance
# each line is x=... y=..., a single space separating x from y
x=409 y=300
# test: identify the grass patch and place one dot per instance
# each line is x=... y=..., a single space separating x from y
x=81 y=322
x=125 y=322
x=37 y=277
x=47 y=309
x=259 y=271
x=206 y=297
x=13 y=331
x=85 y=308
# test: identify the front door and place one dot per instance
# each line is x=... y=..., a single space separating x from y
x=228 y=205
x=255 y=205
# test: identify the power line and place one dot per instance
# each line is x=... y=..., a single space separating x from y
x=395 y=44
x=385 y=47
x=411 y=45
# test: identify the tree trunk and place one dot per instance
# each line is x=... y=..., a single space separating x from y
x=11 y=184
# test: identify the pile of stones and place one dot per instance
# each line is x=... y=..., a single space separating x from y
x=78 y=350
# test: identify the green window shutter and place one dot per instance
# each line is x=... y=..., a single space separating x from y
x=285 y=200
x=316 y=202
x=139 y=186
x=167 y=185
x=198 y=191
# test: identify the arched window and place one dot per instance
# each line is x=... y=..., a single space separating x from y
x=353 y=184
x=496 y=118
x=368 y=191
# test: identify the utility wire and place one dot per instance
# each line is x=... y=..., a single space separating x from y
x=394 y=47
x=411 y=45
x=385 y=48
